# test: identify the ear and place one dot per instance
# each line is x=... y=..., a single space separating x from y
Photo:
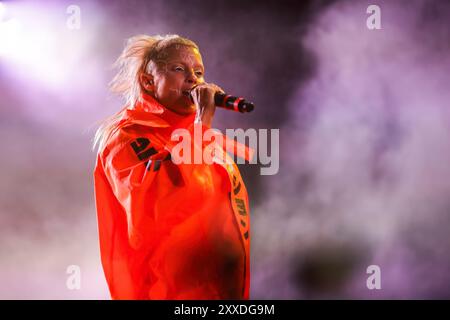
x=147 y=82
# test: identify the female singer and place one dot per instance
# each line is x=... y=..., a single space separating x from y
x=167 y=230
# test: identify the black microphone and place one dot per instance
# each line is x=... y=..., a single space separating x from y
x=226 y=101
x=223 y=100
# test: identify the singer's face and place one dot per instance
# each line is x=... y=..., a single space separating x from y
x=178 y=70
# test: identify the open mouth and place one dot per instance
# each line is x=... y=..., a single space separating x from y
x=187 y=95
x=187 y=92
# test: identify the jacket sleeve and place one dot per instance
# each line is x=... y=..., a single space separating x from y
x=137 y=167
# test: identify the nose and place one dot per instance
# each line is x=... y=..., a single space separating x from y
x=191 y=78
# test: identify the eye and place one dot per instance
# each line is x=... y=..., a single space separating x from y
x=199 y=73
x=179 y=69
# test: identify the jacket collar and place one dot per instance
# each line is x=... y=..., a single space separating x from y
x=148 y=111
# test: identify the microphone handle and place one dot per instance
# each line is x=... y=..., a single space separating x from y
x=232 y=103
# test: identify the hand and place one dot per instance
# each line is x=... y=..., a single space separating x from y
x=203 y=96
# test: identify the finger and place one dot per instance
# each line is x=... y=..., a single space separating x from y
x=217 y=88
x=209 y=85
x=202 y=92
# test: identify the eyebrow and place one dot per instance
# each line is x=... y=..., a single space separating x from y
x=180 y=62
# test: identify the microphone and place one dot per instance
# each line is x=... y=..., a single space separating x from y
x=226 y=101
x=223 y=100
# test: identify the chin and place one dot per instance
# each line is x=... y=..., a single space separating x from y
x=186 y=110
x=191 y=109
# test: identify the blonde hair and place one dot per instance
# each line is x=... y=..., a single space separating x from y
x=142 y=53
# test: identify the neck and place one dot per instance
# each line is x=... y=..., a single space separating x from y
x=175 y=119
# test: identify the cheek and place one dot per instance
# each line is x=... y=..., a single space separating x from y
x=170 y=84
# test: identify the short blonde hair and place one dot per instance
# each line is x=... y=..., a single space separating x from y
x=141 y=54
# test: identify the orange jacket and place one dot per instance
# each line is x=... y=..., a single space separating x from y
x=169 y=231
